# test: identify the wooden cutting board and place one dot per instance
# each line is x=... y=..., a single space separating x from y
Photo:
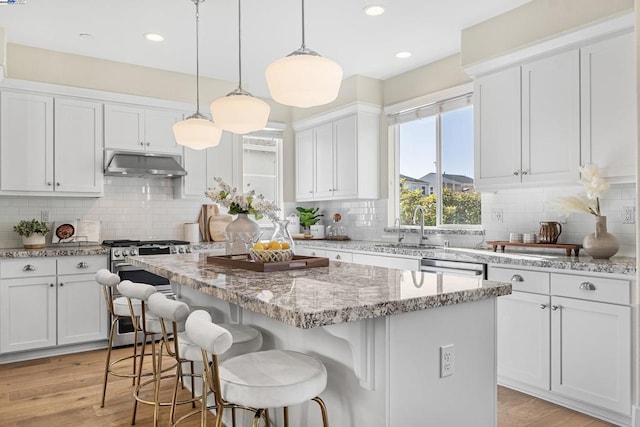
x=217 y=225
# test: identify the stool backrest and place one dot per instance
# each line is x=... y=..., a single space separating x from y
x=208 y=336
x=140 y=291
x=108 y=281
x=169 y=310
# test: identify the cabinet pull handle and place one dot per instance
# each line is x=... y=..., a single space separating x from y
x=51 y=285
x=310 y=191
x=82 y=265
x=141 y=143
x=516 y=173
x=555 y=307
x=517 y=278
x=49 y=183
x=313 y=253
x=543 y=306
x=148 y=144
x=29 y=267
x=587 y=286
x=57 y=184
x=338 y=257
x=524 y=172
x=61 y=284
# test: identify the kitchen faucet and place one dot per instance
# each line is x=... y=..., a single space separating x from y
x=400 y=234
x=415 y=213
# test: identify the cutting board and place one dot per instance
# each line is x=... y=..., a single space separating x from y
x=217 y=226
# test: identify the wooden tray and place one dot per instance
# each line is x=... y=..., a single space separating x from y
x=244 y=261
x=568 y=247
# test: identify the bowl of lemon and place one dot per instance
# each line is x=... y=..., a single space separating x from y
x=272 y=251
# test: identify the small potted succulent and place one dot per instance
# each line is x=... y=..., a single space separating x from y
x=33 y=233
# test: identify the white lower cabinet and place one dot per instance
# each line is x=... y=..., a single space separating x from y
x=571 y=343
x=40 y=308
x=388 y=261
x=307 y=251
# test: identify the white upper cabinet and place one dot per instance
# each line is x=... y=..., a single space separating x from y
x=497 y=112
x=538 y=121
x=608 y=101
x=337 y=155
x=50 y=146
x=128 y=127
x=551 y=119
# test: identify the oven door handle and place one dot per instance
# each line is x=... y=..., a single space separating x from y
x=124 y=266
x=445 y=270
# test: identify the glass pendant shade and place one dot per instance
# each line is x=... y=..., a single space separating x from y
x=197 y=132
x=240 y=113
x=304 y=79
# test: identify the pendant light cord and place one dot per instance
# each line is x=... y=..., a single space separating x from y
x=197 y=2
x=239 y=46
x=304 y=45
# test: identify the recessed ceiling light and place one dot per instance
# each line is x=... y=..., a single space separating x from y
x=153 y=37
x=373 y=10
x=403 y=54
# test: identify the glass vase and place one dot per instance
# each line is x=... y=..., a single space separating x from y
x=601 y=244
x=242 y=224
x=281 y=233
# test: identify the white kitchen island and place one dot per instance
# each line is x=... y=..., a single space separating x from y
x=379 y=332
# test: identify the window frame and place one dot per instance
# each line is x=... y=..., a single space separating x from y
x=413 y=107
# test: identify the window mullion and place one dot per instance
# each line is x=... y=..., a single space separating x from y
x=439 y=193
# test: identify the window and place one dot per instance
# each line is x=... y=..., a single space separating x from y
x=433 y=151
x=261 y=166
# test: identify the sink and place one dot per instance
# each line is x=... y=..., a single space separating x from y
x=406 y=246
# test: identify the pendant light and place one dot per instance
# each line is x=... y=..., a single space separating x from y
x=304 y=78
x=196 y=131
x=239 y=111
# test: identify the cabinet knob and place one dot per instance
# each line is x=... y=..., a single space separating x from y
x=338 y=257
x=587 y=286
x=82 y=265
x=543 y=306
x=524 y=172
x=57 y=184
x=517 y=278
x=51 y=285
x=555 y=307
x=310 y=191
x=148 y=144
x=61 y=284
x=516 y=173
x=29 y=267
x=141 y=143
x=49 y=183
x=313 y=253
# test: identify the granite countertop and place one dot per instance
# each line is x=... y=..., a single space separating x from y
x=321 y=296
x=66 y=250
x=615 y=265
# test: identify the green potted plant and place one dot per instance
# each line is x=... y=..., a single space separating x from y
x=33 y=233
x=309 y=218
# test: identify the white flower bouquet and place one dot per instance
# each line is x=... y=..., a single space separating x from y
x=242 y=203
x=589 y=202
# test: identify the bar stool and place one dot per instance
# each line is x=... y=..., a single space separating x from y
x=118 y=309
x=255 y=381
x=245 y=339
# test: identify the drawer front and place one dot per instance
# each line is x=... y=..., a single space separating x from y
x=88 y=264
x=339 y=256
x=600 y=289
x=27 y=267
x=306 y=251
x=521 y=280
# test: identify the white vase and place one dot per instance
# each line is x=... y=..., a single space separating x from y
x=241 y=224
x=35 y=241
x=601 y=244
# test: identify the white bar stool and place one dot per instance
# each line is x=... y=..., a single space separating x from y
x=255 y=381
x=118 y=309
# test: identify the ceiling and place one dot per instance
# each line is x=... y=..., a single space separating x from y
x=337 y=29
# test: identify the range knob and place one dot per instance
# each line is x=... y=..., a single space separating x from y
x=181 y=250
x=125 y=253
x=188 y=250
x=133 y=252
x=174 y=250
x=116 y=253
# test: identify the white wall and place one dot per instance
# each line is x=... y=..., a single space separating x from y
x=132 y=208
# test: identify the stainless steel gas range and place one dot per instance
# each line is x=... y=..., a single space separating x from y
x=123 y=248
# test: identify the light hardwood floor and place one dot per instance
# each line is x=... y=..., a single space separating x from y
x=65 y=391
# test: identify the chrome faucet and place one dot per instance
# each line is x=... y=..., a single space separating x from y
x=415 y=214
x=400 y=234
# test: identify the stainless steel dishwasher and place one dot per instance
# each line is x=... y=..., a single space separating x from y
x=459 y=268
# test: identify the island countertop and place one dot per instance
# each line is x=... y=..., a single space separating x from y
x=312 y=297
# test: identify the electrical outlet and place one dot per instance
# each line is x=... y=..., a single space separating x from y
x=628 y=215
x=44 y=216
x=496 y=215
x=447 y=360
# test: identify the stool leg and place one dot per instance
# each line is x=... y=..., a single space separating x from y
x=106 y=366
x=323 y=410
x=203 y=396
x=193 y=385
x=233 y=416
x=135 y=354
x=174 y=399
x=139 y=374
x=256 y=417
x=267 y=422
x=219 y=411
x=156 y=393
x=286 y=416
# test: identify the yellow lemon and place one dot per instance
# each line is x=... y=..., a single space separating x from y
x=286 y=245
x=258 y=246
x=275 y=246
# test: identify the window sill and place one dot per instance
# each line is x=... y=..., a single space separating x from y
x=477 y=231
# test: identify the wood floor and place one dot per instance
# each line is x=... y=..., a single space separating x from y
x=65 y=391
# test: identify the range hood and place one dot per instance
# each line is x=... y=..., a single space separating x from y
x=124 y=163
